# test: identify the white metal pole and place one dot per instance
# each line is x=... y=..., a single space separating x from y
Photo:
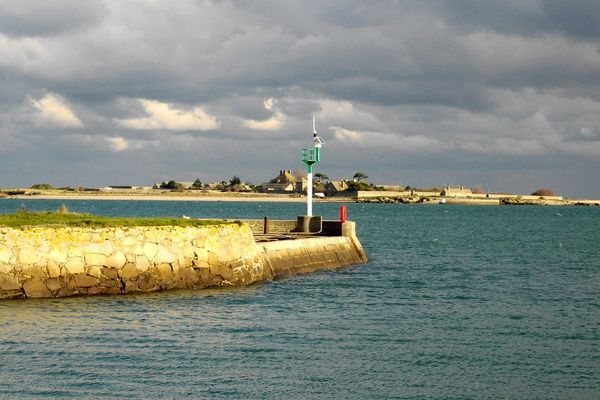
x=309 y=194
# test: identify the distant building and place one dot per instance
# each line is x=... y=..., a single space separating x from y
x=285 y=176
x=461 y=191
x=269 y=187
x=335 y=188
x=285 y=182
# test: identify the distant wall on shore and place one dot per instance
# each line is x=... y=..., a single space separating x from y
x=365 y=194
x=59 y=262
x=497 y=196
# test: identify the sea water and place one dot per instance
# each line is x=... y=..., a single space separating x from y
x=456 y=302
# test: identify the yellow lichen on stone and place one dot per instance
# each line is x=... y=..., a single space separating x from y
x=154 y=235
x=74 y=251
x=176 y=235
x=5 y=254
x=58 y=255
x=28 y=255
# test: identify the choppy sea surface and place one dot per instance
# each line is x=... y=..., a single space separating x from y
x=456 y=302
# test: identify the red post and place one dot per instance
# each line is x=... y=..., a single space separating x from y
x=343 y=214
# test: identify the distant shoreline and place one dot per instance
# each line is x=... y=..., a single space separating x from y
x=173 y=196
x=159 y=198
x=274 y=198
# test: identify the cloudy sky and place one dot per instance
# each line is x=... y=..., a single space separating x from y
x=504 y=94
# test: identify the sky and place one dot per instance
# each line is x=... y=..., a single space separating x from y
x=503 y=94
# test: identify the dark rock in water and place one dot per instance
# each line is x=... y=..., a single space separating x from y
x=515 y=201
x=12 y=193
x=394 y=200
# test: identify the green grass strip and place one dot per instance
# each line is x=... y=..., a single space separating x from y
x=27 y=219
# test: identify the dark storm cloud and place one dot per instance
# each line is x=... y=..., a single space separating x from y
x=394 y=82
x=520 y=17
x=48 y=18
x=580 y=18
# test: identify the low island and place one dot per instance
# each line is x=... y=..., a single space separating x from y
x=363 y=194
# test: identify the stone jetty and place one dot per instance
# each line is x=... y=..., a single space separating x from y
x=60 y=261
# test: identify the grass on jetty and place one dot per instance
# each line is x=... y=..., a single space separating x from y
x=63 y=218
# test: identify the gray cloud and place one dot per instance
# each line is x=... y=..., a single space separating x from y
x=422 y=92
x=37 y=18
x=577 y=18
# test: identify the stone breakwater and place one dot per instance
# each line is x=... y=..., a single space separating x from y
x=59 y=262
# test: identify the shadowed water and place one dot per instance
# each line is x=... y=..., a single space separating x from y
x=456 y=302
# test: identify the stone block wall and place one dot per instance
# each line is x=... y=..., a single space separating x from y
x=59 y=262
x=293 y=257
